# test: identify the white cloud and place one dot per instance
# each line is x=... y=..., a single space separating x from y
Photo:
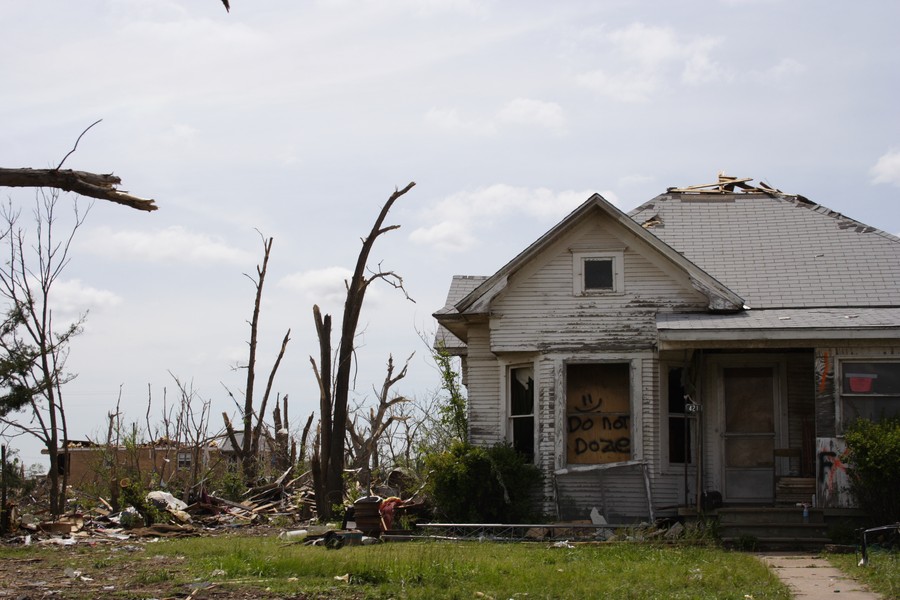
x=457 y=219
x=446 y=236
x=887 y=169
x=635 y=179
x=516 y=112
x=422 y=8
x=699 y=65
x=173 y=244
x=525 y=111
x=70 y=298
x=178 y=134
x=324 y=286
x=448 y=119
x=625 y=87
x=782 y=70
x=646 y=57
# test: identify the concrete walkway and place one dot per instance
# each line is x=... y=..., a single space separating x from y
x=813 y=577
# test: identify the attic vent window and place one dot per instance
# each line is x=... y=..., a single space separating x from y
x=597 y=273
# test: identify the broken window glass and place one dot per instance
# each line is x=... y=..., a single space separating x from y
x=521 y=410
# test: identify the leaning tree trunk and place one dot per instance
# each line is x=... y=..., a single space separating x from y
x=333 y=435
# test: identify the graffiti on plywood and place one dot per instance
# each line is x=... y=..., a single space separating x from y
x=832 y=482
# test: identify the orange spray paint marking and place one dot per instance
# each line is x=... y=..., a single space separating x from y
x=824 y=375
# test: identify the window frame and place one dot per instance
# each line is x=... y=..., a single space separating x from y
x=184 y=460
x=846 y=369
x=616 y=258
x=635 y=451
x=509 y=428
x=666 y=416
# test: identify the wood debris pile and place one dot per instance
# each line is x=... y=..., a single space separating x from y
x=283 y=500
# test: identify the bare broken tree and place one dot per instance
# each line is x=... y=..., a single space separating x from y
x=328 y=456
x=365 y=435
x=33 y=350
x=247 y=449
x=92 y=185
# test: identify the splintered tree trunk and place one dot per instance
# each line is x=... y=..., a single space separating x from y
x=93 y=185
x=333 y=435
x=248 y=450
x=321 y=455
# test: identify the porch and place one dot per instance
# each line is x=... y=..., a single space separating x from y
x=781 y=527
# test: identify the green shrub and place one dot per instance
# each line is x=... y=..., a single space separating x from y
x=472 y=484
x=874 y=469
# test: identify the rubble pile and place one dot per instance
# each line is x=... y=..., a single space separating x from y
x=284 y=503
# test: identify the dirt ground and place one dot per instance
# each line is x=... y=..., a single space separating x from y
x=122 y=569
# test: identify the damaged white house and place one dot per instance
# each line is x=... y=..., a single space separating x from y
x=715 y=339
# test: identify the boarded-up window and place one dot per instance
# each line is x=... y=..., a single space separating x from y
x=598 y=413
x=521 y=409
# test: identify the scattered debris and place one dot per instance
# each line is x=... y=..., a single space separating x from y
x=728 y=185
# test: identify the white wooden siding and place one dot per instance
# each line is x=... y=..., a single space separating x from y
x=538 y=311
x=484 y=397
x=538 y=318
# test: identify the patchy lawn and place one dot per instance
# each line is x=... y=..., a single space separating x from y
x=882 y=574
x=256 y=567
x=263 y=567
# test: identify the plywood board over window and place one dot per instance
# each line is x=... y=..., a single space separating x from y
x=598 y=413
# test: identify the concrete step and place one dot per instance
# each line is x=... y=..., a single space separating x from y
x=787 y=515
x=774 y=531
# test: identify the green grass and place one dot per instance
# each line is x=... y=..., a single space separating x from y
x=264 y=567
x=882 y=574
x=472 y=570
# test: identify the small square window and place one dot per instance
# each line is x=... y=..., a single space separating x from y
x=597 y=273
x=184 y=460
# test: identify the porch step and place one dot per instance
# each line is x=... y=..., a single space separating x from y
x=773 y=527
x=791 y=490
x=771 y=531
x=769 y=515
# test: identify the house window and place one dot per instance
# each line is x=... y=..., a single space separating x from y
x=62 y=464
x=869 y=390
x=597 y=273
x=184 y=460
x=521 y=410
x=598 y=413
x=679 y=426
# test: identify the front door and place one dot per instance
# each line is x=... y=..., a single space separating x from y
x=749 y=399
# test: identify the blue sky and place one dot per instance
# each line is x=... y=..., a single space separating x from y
x=298 y=119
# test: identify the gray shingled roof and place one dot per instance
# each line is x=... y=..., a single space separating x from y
x=792 y=319
x=460 y=287
x=779 y=252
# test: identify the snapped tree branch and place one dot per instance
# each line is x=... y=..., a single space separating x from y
x=92 y=185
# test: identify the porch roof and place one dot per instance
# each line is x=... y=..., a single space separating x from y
x=781 y=324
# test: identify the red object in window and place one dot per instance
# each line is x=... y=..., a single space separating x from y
x=861 y=383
